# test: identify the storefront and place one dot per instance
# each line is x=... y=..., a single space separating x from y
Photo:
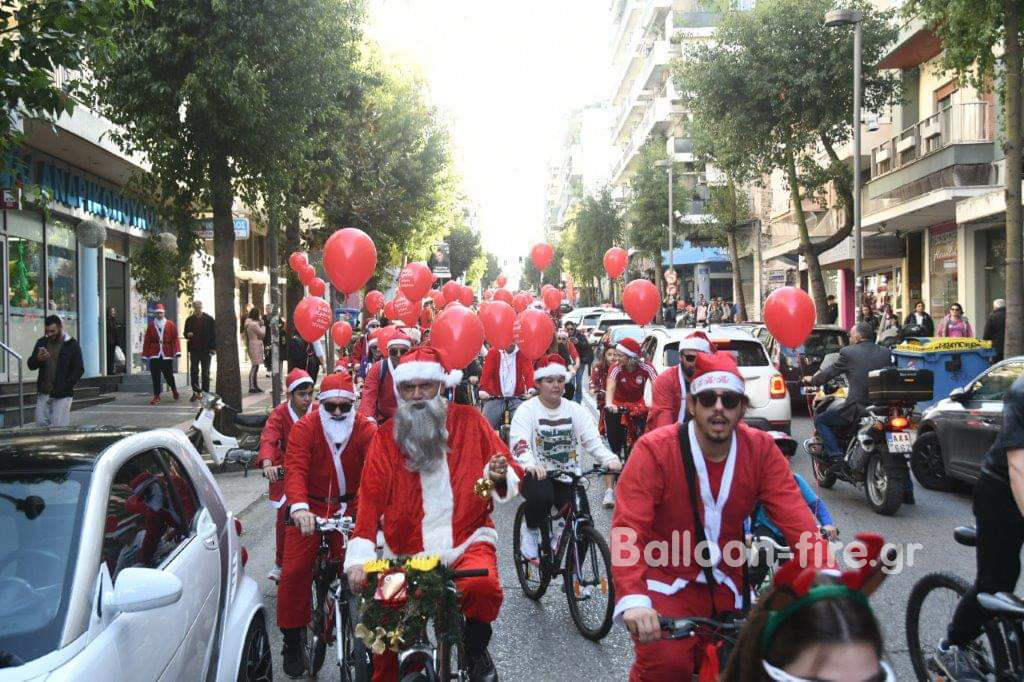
x=942 y=269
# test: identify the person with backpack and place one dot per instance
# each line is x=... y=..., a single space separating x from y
x=379 y=400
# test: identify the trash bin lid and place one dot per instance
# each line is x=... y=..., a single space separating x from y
x=923 y=346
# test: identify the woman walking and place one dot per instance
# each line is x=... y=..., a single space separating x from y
x=254 y=333
x=955 y=324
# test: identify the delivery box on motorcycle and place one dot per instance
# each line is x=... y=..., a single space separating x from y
x=900 y=386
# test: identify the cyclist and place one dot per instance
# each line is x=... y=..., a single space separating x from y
x=547 y=433
x=322 y=469
x=998 y=509
x=668 y=395
x=629 y=383
x=379 y=398
x=731 y=466
x=507 y=377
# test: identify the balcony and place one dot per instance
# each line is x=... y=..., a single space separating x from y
x=957 y=124
x=659 y=119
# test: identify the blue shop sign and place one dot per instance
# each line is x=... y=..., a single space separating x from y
x=241 y=228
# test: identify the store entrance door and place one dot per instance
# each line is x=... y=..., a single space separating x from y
x=117 y=298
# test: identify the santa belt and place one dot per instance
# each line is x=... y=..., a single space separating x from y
x=332 y=500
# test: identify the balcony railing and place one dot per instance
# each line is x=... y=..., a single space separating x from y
x=954 y=124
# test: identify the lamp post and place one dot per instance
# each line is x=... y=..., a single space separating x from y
x=833 y=19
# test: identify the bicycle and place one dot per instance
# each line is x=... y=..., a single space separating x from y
x=508 y=408
x=998 y=653
x=724 y=633
x=633 y=417
x=579 y=543
x=335 y=611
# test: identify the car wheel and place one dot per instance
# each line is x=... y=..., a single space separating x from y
x=256 y=665
x=927 y=465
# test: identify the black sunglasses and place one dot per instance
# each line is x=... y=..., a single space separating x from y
x=338 y=408
x=689 y=358
x=730 y=399
x=399 y=352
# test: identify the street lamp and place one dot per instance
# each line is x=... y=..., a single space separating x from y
x=834 y=19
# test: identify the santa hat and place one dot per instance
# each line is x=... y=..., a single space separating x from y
x=337 y=385
x=426 y=363
x=716 y=371
x=297 y=378
x=414 y=334
x=697 y=341
x=628 y=347
x=343 y=364
x=551 y=366
x=399 y=339
x=158 y=308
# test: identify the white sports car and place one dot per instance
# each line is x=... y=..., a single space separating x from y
x=119 y=561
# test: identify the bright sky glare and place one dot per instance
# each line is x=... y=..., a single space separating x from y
x=508 y=74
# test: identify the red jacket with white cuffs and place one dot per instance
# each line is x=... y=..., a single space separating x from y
x=273 y=441
x=490 y=376
x=152 y=343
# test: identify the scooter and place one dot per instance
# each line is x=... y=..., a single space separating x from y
x=223 y=449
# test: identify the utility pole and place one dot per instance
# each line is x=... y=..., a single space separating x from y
x=275 y=308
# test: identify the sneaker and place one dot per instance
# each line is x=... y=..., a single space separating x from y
x=195 y=397
x=292 y=659
x=155 y=400
x=274 y=574
x=529 y=543
x=954 y=663
x=482 y=669
x=609 y=498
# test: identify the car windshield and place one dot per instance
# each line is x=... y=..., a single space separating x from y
x=608 y=324
x=745 y=353
x=822 y=343
x=40 y=522
x=590 y=319
x=994 y=384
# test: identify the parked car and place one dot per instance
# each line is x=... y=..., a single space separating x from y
x=956 y=432
x=605 y=323
x=769 y=408
x=795 y=363
x=576 y=315
x=119 y=560
x=626 y=331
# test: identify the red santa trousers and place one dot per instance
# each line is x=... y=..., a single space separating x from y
x=282 y=516
x=669 y=660
x=481 y=600
x=294 y=597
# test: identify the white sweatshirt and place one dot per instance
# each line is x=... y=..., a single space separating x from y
x=552 y=436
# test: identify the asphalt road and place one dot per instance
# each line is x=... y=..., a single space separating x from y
x=537 y=641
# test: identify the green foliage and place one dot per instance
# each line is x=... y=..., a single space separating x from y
x=647 y=202
x=552 y=274
x=729 y=205
x=492 y=268
x=596 y=226
x=463 y=249
x=968 y=29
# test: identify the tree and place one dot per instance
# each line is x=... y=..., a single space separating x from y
x=595 y=227
x=531 y=277
x=971 y=31
x=492 y=268
x=222 y=99
x=463 y=250
x=796 y=79
x=729 y=204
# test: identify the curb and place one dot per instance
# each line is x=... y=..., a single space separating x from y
x=249 y=507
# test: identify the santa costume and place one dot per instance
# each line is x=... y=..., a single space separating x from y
x=668 y=397
x=379 y=399
x=506 y=375
x=436 y=512
x=273 y=442
x=653 y=503
x=323 y=465
x=161 y=347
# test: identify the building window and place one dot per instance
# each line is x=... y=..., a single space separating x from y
x=25 y=284
x=62 y=275
x=994 y=243
x=942 y=276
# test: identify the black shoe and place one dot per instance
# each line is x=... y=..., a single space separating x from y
x=481 y=669
x=293 y=661
x=908 y=496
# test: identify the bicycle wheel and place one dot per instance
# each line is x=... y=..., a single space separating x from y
x=315 y=640
x=927 y=622
x=588 y=586
x=532 y=576
x=418 y=667
x=355 y=661
x=451 y=662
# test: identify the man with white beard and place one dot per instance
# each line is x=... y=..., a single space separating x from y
x=419 y=488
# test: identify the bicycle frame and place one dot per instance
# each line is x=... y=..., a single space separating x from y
x=576 y=517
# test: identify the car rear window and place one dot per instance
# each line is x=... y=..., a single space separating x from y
x=608 y=324
x=590 y=319
x=745 y=353
x=823 y=343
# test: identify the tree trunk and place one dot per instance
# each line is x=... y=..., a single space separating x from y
x=1014 y=339
x=817 y=282
x=273 y=257
x=294 y=291
x=737 y=279
x=229 y=382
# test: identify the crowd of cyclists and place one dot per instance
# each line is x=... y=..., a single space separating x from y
x=678 y=458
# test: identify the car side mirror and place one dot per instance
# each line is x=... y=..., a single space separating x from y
x=959 y=394
x=144 y=589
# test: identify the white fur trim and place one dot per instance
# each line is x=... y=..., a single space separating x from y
x=454 y=377
x=358 y=552
x=298 y=506
x=552 y=370
x=438 y=508
x=511 y=484
x=336 y=393
x=712 y=380
x=630 y=601
x=298 y=382
x=483 y=534
x=695 y=343
x=419 y=370
x=400 y=342
x=625 y=351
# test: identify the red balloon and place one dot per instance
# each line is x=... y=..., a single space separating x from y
x=341 y=333
x=297 y=260
x=350 y=258
x=552 y=299
x=459 y=333
x=615 y=260
x=374 y=302
x=533 y=332
x=415 y=280
x=307 y=274
x=466 y=296
x=789 y=315
x=312 y=318
x=317 y=287
x=438 y=298
x=451 y=291
x=405 y=310
x=503 y=295
x=522 y=301
x=542 y=254
x=501 y=281
x=389 y=310
x=498 y=318
x=640 y=300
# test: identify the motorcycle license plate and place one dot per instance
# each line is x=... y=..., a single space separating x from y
x=809 y=390
x=898 y=442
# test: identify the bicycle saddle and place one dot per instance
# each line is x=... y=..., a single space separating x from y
x=966 y=535
x=1002 y=604
x=252 y=421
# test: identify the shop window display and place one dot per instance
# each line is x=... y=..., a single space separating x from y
x=62 y=275
x=25 y=279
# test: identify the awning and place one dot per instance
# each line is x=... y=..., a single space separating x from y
x=688 y=254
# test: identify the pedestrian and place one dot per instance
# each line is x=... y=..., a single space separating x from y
x=995 y=328
x=202 y=341
x=301 y=355
x=427 y=314
x=867 y=314
x=888 y=327
x=115 y=342
x=925 y=325
x=955 y=324
x=688 y=319
x=254 y=333
x=161 y=348
x=702 y=311
x=586 y=354
x=715 y=312
x=668 y=311
x=831 y=309
x=58 y=357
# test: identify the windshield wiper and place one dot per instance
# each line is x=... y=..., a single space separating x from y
x=32 y=506
x=9 y=660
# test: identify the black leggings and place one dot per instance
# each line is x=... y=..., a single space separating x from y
x=158 y=367
x=541 y=496
x=1000 y=538
x=615 y=430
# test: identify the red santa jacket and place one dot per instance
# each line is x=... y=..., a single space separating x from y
x=151 y=343
x=378 y=401
x=490 y=377
x=652 y=501
x=666 y=399
x=309 y=475
x=436 y=513
x=273 y=441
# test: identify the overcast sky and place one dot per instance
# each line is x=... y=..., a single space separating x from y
x=507 y=75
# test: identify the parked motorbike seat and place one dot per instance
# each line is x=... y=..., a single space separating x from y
x=1002 y=604
x=966 y=535
x=251 y=421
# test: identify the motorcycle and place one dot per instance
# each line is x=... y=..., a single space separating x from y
x=224 y=449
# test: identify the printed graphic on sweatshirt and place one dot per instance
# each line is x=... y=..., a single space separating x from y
x=554 y=440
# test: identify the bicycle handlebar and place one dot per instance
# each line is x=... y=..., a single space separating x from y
x=470 y=573
x=680 y=628
x=337 y=524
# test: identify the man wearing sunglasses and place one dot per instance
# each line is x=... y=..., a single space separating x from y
x=323 y=465
x=379 y=399
x=690 y=486
x=668 y=397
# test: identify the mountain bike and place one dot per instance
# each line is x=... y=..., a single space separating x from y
x=579 y=553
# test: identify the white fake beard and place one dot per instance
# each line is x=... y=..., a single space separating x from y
x=337 y=430
x=421 y=432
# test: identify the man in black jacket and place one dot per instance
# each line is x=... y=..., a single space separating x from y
x=202 y=341
x=586 y=358
x=58 y=357
x=995 y=328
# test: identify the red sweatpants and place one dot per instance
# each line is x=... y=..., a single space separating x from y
x=282 y=516
x=294 y=596
x=481 y=600
x=669 y=660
